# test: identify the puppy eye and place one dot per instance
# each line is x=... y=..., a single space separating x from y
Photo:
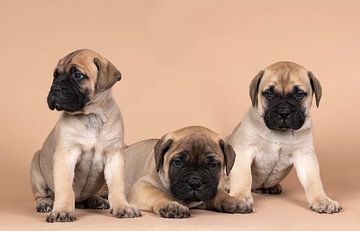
x=214 y=165
x=268 y=94
x=177 y=162
x=78 y=75
x=299 y=95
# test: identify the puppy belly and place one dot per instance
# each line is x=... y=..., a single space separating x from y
x=266 y=175
x=272 y=179
x=89 y=176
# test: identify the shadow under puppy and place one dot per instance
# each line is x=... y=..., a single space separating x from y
x=276 y=134
x=86 y=145
x=185 y=169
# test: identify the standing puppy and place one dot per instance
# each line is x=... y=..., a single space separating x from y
x=186 y=168
x=86 y=145
x=276 y=134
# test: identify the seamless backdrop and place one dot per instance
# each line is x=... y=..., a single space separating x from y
x=183 y=63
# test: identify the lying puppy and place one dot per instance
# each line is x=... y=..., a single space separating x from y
x=275 y=134
x=182 y=170
x=86 y=144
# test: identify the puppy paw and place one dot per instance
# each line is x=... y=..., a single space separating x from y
x=128 y=212
x=325 y=205
x=244 y=204
x=61 y=217
x=44 y=205
x=277 y=189
x=233 y=205
x=94 y=202
x=174 y=209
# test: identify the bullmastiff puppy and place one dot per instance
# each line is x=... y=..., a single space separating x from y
x=86 y=145
x=184 y=169
x=276 y=134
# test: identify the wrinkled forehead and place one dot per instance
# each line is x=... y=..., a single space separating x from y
x=82 y=60
x=198 y=145
x=284 y=78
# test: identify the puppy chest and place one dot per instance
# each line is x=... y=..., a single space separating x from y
x=98 y=142
x=95 y=134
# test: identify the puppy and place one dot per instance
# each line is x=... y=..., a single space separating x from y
x=276 y=134
x=86 y=145
x=186 y=168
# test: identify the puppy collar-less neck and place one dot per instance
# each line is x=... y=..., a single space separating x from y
x=100 y=114
x=96 y=106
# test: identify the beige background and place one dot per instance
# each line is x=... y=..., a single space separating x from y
x=183 y=63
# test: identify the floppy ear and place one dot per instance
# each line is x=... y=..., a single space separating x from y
x=316 y=87
x=107 y=76
x=160 y=149
x=254 y=88
x=229 y=155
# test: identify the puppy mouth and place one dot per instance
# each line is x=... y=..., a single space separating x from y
x=195 y=195
x=284 y=128
x=53 y=104
x=58 y=107
x=194 y=184
x=292 y=123
x=51 y=107
x=66 y=104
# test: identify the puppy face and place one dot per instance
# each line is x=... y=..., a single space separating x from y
x=282 y=95
x=192 y=160
x=78 y=78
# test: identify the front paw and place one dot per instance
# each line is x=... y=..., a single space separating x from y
x=233 y=205
x=244 y=204
x=174 y=209
x=127 y=212
x=61 y=217
x=325 y=205
x=44 y=206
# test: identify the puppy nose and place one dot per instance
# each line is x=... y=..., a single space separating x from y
x=284 y=111
x=284 y=114
x=55 y=89
x=194 y=182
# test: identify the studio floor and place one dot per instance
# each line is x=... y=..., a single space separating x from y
x=281 y=212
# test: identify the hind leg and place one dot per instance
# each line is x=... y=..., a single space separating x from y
x=277 y=189
x=43 y=195
x=94 y=202
x=104 y=192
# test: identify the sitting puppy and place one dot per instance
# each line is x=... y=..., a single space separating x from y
x=276 y=134
x=86 y=144
x=182 y=170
